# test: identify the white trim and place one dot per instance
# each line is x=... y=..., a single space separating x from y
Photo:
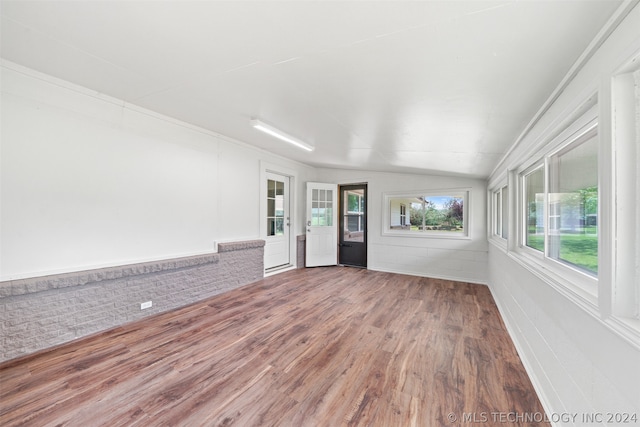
x=496 y=238
x=515 y=335
x=430 y=276
x=278 y=270
x=622 y=311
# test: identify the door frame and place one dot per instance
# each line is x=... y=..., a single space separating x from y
x=266 y=167
x=365 y=185
x=321 y=243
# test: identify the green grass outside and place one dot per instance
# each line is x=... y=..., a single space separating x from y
x=580 y=250
x=535 y=241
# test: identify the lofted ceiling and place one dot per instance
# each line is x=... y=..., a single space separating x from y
x=440 y=87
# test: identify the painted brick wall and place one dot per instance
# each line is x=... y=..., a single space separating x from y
x=301 y=242
x=41 y=312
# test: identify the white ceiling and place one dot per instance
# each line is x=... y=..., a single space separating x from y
x=421 y=86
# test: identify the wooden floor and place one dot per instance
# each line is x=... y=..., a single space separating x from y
x=311 y=347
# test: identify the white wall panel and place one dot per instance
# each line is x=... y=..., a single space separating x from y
x=89 y=181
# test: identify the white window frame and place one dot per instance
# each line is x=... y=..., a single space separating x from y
x=501 y=184
x=624 y=291
x=497 y=213
x=523 y=212
x=464 y=193
x=578 y=285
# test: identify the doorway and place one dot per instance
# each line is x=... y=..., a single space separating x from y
x=277 y=242
x=322 y=227
x=352 y=240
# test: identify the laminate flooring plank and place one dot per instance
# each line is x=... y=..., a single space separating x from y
x=328 y=346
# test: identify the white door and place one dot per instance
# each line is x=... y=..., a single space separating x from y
x=322 y=224
x=276 y=249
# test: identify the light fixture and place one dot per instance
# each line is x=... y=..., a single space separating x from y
x=266 y=128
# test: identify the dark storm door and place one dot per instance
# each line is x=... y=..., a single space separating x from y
x=352 y=240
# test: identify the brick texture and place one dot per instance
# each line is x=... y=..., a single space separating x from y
x=42 y=312
x=301 y=242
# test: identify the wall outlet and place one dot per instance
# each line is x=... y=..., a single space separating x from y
x=144 y=305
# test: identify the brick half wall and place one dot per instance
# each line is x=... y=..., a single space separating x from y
x=42 y=312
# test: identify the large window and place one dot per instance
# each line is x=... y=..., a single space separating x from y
x=560 y=203
x=428 y=214
x=573 y=204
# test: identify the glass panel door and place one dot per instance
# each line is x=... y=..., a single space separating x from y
x=277 y=253
x=353 y=225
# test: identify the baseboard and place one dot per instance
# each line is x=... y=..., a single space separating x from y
x=525 y=359
x=432 y=276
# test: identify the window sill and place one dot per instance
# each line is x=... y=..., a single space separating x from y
x=424 y=235
x=498 y=242
x=627 y=328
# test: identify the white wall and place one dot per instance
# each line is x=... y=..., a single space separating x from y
x=89 y=181
x=455 y=259
x=580 y=361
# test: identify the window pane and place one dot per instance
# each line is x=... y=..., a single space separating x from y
x=442 y=215
x=279 y=205
x=329 y=216
x=271 y=227
x=271 y=207
x=279 y=188
x=573 y=205
x=271 y=188
x=534 y=198
x=498 y=213
x=505 y=213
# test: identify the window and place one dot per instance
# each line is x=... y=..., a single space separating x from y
x=534 y=208
x=354 y=215
x=427 y=214
x=275 y=208
x=501 y=213
x=497 y=209
x=505 y=214
x=573 y=204
x=322 y=208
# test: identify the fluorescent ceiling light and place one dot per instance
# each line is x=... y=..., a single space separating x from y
x=262 y=126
